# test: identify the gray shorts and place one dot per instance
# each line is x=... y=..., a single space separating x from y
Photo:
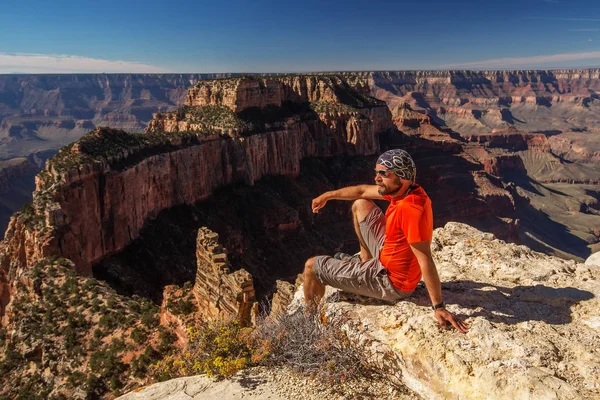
x=367 y=278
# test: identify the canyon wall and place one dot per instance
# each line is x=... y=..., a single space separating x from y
x=264 y=91
x=95 y=195
x=41 y=113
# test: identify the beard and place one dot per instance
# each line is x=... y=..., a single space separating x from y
x=385 y=190
x=389 y=190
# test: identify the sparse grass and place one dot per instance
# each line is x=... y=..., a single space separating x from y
x=311 y=345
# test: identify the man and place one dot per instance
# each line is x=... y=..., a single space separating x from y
x=394 y=249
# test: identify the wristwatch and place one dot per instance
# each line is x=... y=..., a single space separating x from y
x=441 y=305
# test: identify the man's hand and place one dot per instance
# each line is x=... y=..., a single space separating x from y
x=319 y=203
x=447 y=319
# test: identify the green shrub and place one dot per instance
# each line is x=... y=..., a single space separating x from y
x=139 y=335
x=76 y=378
x=149 y=318
x=140 y=365
x=94 y=386
x=12 y=360
x=166 y=339
x=181 y=307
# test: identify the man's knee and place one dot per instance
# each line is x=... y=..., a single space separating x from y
x=309 y=267
x=361 y=208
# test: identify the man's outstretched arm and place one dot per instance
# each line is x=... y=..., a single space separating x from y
x=347 y=193
x=422 y=251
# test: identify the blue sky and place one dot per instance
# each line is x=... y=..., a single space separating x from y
x=300 y=36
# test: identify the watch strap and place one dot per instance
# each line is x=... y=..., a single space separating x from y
x=441 y=305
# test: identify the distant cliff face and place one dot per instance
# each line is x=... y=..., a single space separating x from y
x=476 y=102
x=534 y=166
x=264 y=91
x=331 y=107
x=559 y=108
x=41 y=112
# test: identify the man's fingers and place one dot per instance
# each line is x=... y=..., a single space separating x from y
x=459 y=325
x=449 y=320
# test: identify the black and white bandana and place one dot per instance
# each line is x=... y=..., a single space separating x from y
x=400 y=163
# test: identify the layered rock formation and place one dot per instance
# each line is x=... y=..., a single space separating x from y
x=220 y=292
x=534 y=324
x=312 y=106
x=559 y=108
x=94 y=197
x=276 y=91
x=491 y=88
x=41 y=113
x=54 y=110
x=532 y=162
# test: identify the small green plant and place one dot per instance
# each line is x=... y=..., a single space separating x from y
x=12 y=360
x=76 y=378
x=139 y=335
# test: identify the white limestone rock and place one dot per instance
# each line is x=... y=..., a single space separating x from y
x=535 y=324
x=593 y=260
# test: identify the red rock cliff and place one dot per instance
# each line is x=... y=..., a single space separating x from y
x=95 y=195
x=239 y=94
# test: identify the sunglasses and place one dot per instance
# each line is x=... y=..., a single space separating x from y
x=382 y=173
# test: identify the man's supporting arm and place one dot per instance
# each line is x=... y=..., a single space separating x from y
x=422 y=251
x=347 y=193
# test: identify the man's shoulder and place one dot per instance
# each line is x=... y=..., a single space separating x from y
x=416 y=198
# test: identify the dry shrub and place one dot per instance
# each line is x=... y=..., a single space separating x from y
x=311 y=345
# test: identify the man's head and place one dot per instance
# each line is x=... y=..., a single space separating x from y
x=395 y=172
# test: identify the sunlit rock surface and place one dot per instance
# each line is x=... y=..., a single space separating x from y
x=535 y=324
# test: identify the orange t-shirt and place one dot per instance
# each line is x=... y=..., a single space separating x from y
x=407 y=220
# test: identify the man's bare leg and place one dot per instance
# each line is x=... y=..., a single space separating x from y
x=360 y=209
x=313 y=289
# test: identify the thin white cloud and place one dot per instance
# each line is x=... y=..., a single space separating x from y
x=585 y=30
x=525 y=61
x=52 y=63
